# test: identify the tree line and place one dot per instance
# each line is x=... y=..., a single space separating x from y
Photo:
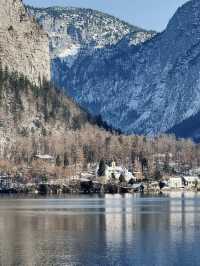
x=40 y=119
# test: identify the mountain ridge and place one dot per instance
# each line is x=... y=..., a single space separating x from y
x=144 y=87
x=60 y=9
x=76 y=28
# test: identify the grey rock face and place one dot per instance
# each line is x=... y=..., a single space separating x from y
x=143 y=88
x=23 y=44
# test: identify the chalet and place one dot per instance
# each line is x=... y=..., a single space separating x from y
x=175 y=183
x=115 y=171
x=191 y=181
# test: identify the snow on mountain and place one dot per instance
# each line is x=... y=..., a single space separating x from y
x=72 y=29
x=140 y=85
x=85 y=26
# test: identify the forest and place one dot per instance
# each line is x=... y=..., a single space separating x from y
x=40 y=119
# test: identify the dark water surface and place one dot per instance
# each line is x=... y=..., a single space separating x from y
x=110 y=230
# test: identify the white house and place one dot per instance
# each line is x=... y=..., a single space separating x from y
x=117 y=171
x=175 y=182
x=191 y=181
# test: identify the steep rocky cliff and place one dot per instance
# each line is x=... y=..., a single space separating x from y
x=23 y=44
x=145 y=88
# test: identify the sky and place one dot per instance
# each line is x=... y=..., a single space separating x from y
x=148 y=14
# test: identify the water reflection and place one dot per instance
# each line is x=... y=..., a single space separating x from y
x=110 y=230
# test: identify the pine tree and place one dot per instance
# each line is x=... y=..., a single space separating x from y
x=102 y=168
x=122 y=178
x=66 y=160
x=58 y=160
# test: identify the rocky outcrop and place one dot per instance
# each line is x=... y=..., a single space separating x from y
x=23 y=44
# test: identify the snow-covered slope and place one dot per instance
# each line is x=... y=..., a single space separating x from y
x=71 y=29
x=142 y=87
x=77 y=31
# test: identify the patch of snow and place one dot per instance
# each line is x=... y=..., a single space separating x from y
x=69 y=51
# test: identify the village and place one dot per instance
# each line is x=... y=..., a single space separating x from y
x=101 y=177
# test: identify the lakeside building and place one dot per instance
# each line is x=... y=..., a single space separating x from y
x=178 y=182
x=191 y=181
x=175 y=182
x=115 y=172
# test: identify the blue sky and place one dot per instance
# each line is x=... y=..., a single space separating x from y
x=149 y=14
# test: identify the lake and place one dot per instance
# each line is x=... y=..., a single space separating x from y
x=93 y=230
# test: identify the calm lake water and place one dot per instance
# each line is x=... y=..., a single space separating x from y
x=111 y=230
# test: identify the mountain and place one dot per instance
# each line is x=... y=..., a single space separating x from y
x=78 y=32
x=23 y=44
x=145 y=87
x=35 y=117
x=72 y=29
